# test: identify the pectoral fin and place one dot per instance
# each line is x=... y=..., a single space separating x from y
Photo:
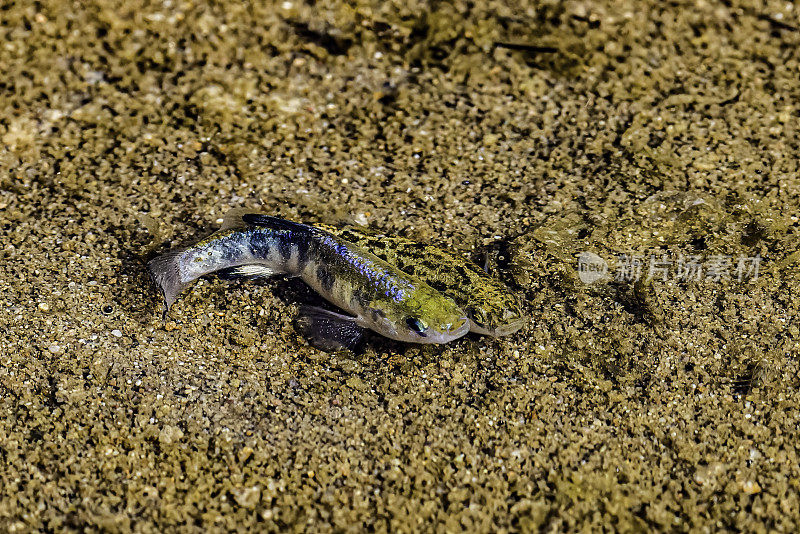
x=329 y=331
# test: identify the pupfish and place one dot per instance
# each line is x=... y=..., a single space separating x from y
x=492 y=308
x=372 y=293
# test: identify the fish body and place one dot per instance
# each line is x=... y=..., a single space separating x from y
x=374 y=294
x=493 y=309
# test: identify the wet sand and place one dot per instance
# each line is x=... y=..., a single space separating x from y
x=521 y=135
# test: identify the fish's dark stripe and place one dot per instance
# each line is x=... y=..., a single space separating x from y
x=285 y=245
x=359 y=299
x=325 y=278
x=302 y=256
x=259 y=245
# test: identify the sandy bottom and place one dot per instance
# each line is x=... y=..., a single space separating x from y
x=661 y=142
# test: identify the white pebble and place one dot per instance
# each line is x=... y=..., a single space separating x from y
x=116 y=333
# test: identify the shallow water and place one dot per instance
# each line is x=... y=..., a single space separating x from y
x=663 y=403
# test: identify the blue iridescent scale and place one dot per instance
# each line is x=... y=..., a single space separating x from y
x=377 y=276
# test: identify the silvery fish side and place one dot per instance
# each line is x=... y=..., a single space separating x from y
x=493 y=309
x=377 y=295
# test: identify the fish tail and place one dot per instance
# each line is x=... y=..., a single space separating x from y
x=165 y=272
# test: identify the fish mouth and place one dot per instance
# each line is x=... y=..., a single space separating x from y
x=460 y=330
x=456 y=331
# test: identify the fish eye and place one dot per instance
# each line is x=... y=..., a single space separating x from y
x=416 y=325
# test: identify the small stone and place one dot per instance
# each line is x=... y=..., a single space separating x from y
x=55 y=348
x=751 y=487
x=170 y=434
x=44 y=306
x=708 y=474
x=361 y=219
x=248 y=497
x=245 y=454
x=116 y=333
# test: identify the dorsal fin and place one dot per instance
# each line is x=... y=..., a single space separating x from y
x=233 y=219
x=258 y=219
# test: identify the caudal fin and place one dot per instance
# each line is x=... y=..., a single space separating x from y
x=165 y=272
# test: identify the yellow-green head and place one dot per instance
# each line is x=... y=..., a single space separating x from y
x=492 y=308
x=423 y=316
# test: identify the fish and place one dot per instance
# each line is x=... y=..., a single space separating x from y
x=492 y=308
x=372 y=293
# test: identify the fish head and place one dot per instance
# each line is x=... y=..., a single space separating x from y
x=497 y=318
x=426 y=316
